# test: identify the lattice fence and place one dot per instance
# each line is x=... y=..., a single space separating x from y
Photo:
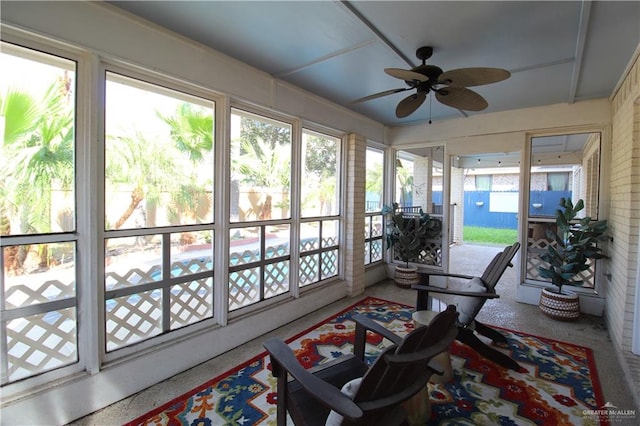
x=535 y=247
x=39 y=342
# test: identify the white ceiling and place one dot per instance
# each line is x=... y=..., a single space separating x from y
x=557 y=52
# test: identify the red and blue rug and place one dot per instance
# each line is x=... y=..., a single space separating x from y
x=558 y=384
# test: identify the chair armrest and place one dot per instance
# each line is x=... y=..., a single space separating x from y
x=455 y=292
x=446 y=274
x=426 y=353
x=364 y=323
x=329 y=395
x=371 y=325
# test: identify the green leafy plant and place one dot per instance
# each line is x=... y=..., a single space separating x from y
x=405 y=234
x=574 y=244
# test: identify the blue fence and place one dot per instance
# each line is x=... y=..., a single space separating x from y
x=478 y=210
x=545 y=203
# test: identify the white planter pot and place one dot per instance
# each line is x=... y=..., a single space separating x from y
x=406 y=276
x=560 y=306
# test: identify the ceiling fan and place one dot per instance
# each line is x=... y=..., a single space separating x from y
x=450 y=87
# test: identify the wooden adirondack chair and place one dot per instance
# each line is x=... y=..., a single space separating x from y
x=473 y=295
x=400 y=372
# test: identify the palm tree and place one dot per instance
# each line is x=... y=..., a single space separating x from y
x=264 y=165
x=263 y=160
x=147 y=167
x=192 y=133
x=191 y=130
x=404 y=184
x=320 y=170
x=375 y=183
x=38 y=152
x=152 y=168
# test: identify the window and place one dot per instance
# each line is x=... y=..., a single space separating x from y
x=158 y=210
x=38 y=288
x=320 y=175
x=320 y=195
x=483 y=182
x=558 y=181
x=156 y=195
x=562 y=166
x=404 y=189
x=374 y=188
x=259 y=254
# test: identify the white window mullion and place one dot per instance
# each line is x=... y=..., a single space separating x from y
x=222 y=202
x=88 y=162
x=296 y=182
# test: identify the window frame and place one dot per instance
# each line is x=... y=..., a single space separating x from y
x=370 y=214
x=90 y=233
x=166 y=337
x=339 y=216
x=43 y=48
x=479 y=179
x=565 y=176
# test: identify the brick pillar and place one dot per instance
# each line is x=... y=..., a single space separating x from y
x=354 y=214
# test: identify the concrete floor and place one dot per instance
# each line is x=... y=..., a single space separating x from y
x=505 y=311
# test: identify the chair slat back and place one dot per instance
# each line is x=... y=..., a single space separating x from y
x=498 y=265
x=396 y=378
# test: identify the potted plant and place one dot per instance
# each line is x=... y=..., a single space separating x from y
x=406 y=234
x=573 y=247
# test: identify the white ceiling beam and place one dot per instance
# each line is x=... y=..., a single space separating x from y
x=583 y=29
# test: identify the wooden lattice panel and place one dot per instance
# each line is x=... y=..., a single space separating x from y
x=430 y=252
x=114 y=280
x=276 y=279
x=191 y=266
x=20 y=295
x=329 y=264
x=538 y=246
x=244 y=288
x=376 y=250
x=329 y=241
x=40 y=343
x=276 y=251
x=309 y=269
x=133 y=318
x=309 y=244
x=243 y=258
x=191 y=302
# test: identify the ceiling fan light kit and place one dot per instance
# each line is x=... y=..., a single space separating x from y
x=450 y=87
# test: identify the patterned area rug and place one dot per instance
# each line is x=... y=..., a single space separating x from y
x=558 y=384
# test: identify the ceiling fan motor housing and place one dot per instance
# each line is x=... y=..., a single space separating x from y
x=432 y=72
x=423 y=53
x=450 y=88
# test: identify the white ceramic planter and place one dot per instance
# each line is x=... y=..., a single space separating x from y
x=560 y=306
x=406 y=276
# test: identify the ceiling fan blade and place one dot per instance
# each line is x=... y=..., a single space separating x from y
x=469 y=77
x=409 y=104
x=378 y=95
x=406 y=75
x=461 y=98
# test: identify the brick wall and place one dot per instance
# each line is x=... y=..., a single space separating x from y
x=624 y=187
x=354 y=218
